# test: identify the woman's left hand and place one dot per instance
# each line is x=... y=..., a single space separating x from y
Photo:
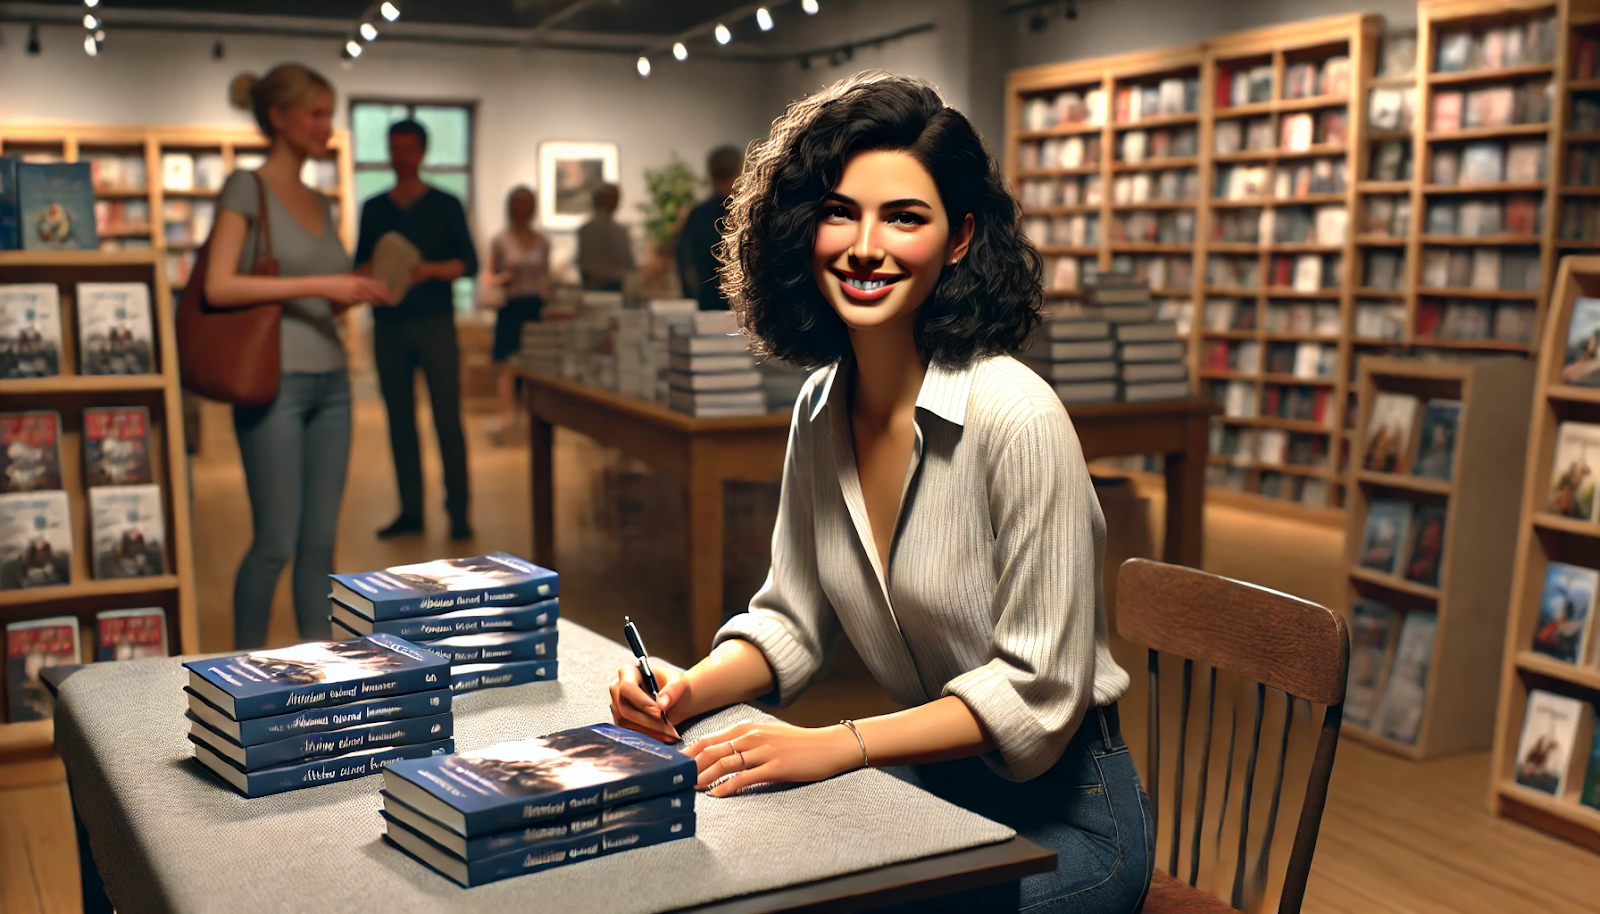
x=771 y=752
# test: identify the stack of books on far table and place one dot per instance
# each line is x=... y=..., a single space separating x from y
x=528 y=805
x=710 y=371
x=318 y=712
x=492 y=617
x=1110 y=348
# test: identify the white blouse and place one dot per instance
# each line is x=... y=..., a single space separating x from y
x=993 y=590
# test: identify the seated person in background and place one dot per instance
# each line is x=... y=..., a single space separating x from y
x=605 y=252
x=874 y=238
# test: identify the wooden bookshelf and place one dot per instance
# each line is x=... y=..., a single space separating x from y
x=69 y=394
x=1475 y=572
x=1544 y=537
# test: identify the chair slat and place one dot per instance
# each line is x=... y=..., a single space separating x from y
x=1227 y=768
x=1305 y=837
x=1259 y=879
x=1200 y=793
x=1244 y=798
x=1153 y=753
x=1177 y=779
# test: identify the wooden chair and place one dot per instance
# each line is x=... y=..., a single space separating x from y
x=1269 y=638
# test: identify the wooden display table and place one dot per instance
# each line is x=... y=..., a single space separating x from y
x=702 y=454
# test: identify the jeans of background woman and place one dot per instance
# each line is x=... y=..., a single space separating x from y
x=295 y=454
x=1090 y=809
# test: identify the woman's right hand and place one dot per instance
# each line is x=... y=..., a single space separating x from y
x=633 y=708
x=350 y=289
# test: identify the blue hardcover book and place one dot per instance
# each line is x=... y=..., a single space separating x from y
x=422 y=629
x=320 y=745
x=475 y=676
x=10 y=236
x=445 y=585
x=316 y=674
x=319 y=771
x=511 y=784
x=56 y=206
x=539 y=833
x=498 y=647
x=557 y=853
x=318 y=720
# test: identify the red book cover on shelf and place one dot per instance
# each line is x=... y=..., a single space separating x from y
x=1428 y=316
x=1217 y=356
x=1320 y=409
x=1224 y=97
x=1270 y=400
x=30 y=451
x=116 y=446
x=1588 y=51
x=131 y=634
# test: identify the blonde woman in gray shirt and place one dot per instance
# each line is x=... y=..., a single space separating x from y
x=936 y=506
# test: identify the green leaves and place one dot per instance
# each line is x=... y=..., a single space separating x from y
x=672 y=189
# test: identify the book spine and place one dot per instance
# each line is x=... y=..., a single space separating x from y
x=352 y=739
x=575 y=850
x=423 y=629
x=333 y=770
x=475 y=677
x=401 y=707
x=513 y=595
x=537 y=645
x=322 y=695
x=583 y=800
x=535 y=836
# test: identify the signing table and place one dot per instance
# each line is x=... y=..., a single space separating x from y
x=169 y=837
x=702 y=454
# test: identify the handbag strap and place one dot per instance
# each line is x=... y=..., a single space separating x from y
x=263 y=252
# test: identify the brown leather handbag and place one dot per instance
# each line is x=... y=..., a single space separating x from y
x=232 y=354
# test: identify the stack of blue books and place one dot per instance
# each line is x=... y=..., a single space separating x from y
x=492 y=616
x=319 y=712
x=528 y=805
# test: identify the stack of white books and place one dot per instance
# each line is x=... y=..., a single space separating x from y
x=710 y=372
x=665 y=315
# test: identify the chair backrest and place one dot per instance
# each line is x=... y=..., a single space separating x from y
x=1270 y=638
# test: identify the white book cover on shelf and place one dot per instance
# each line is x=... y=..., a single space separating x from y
x=1406 y=695
x=1553 y=728
x=177 y=171
x=1573 y=475
x=35 y=539
x=30 y=330
x=1373 y=627
x=114 y=328
x=1391 y=432
x=129 y=531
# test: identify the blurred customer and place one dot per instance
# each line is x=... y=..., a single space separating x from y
x=297 y=449
x=421 y=331
x=605 y=252
x=702 y=230
x=519 y=267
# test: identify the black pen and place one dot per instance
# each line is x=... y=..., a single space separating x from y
x=636 y=643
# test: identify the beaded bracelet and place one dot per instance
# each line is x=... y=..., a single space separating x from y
x=865 y=762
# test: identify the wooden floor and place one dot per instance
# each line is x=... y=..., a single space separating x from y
x=1397 y=837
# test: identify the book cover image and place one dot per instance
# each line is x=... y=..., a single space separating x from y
x=10 y=237
x=114 y=331
x=1572 y=477
x=130 y=634
x=1581 y=367
x=129 y=530
x=426 y=588
x=1551 y=729
x=316 y=674
x=116 y=445
x=30 y=451
x=1436 y=448
x=1372 y=633
x=1387 y=534
x=56 y=206
x=35 y=540
x=1565 y=610
x=30 y=330
x=1389 y=432
x=1404 y=697
x=1427 y=545
x=32 y=647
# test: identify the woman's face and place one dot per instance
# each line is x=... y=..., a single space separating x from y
x=308 y=124
x=883 y=239
x=522 y=206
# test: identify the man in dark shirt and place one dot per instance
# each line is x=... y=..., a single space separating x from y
x=420 y=331
x=696 y=254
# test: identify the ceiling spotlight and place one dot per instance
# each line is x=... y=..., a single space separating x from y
x=679 y=51
x=835 y=58
x=764 y=19
x=33 y=40
x=810 y=7
x=217 y=50
x=644 y=66
x=91 y=3
x=848 y=52
x=100 y=35
x=89 y=22
x=353 y=47
x=723 y=35
x=389 y=11
x=1072 y=10
x=805 y=63
x=368 y=31
x=1036 y=22
x=90 y=46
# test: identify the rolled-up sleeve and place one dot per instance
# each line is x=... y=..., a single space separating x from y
x=1049 y=546
x=790 y=619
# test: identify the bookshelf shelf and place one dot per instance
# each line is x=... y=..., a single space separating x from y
x=1577 y=191
x=1254 y=109
x=1502 y=187
x=1058 y=210
x=111 y=588
x=1273 y=378
x=1149 y=247
x=1068 y=250
x=1375 y=342
x=1229 y=334
x=1290 y=292
x=1220 y=374
x=1308 y=248
x=81 y=384
x=1439 y=342
x=1152 y=204
x=1390 y=82
x=1285 y=336
x=1491 y=294
x=1058 y=172
x=1062 y=130
x=1574 y=245
x=1466 y=134
x=1583 y=85
x=1309 y=426
x=1156 y=164
x=1153 y=123
x=1474 y=571
x=1384 y=187
x=1380 y=241
x=1314 y=103
x=1545 y=537
x=1490 y=75
x=1582 y=136
x=1380 y=293
x=1481 y=240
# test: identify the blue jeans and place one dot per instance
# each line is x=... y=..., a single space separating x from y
x=295 y=454
x=1090 y=809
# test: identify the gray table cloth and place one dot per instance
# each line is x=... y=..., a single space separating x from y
x=169 y=837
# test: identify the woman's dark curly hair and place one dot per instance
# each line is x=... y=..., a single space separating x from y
x=987 y=303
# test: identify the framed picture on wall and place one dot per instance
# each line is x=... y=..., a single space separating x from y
x=568 y=175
